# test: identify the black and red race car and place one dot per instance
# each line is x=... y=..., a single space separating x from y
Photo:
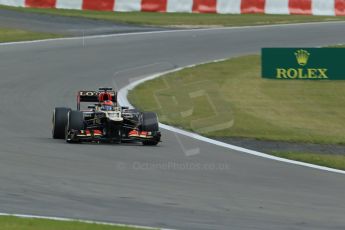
x=104 y=121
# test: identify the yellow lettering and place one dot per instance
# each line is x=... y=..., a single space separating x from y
x=301 y=74
x=281 y=73
x=312 y=73
x=292 y=73
x=323 y=73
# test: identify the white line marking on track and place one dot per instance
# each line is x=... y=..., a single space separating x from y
x=122 y=97
x=81 y=221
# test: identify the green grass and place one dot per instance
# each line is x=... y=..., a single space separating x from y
x=15 y=35
x=15 y=223
x=230 y=99
x=182 y=19
x=328 y=160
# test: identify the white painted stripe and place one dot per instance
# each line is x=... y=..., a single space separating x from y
x=127 y=5
x=123 y=101
x=82 y=221
x=13 y=2
x=180 y=6
x=69 y=4
x=323 y=7
x=277 y=7
x=229 y=6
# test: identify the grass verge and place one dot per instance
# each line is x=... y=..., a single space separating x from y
x=15 y=223
x=182 y=19
x=328 y=160
x=15 y=35
x=230 y=99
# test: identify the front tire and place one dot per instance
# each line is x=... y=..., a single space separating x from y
x=60 y=120
x=76 y=123
x=150 y=124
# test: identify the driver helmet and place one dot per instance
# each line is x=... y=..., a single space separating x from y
x=107 y=106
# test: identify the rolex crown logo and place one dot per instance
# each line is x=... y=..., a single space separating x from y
x=302 y=57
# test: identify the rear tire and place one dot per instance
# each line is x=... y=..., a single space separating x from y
x=150 y=124
x=60 y=119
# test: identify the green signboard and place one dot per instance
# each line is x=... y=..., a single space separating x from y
x=303 y=63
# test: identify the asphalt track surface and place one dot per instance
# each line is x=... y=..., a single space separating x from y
x=155 y=186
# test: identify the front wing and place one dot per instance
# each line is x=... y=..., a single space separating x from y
x=97 y=136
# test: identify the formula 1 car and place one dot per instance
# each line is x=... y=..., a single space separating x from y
x=104 y=121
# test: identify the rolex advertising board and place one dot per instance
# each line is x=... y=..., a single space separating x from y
x=303 y=63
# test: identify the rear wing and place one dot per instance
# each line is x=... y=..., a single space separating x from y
x=96 y=96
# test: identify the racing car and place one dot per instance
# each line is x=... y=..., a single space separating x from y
x=104 y=121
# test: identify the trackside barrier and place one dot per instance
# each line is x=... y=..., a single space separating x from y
x=305 y=7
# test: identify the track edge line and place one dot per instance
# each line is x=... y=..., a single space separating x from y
x=81 y=221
